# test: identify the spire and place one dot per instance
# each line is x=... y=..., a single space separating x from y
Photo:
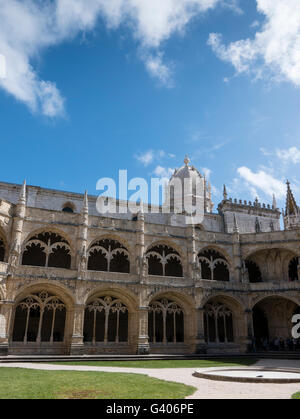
x=225 y=195
x=22 y=196
x=85 y=208
x=291 y=206
x=274 y=204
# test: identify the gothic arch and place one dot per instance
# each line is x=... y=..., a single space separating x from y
x=110 y=317
x=213 y=265
x=68 y=207
x=217 y=249
x=52 y=286
x=170 y=319
x=113 y=237
x=222 y=320
x=187 y=302
x=164 y=260
x=274 y=295
x=42 y=315
x=168 y=243
x=47 y=249
x=233 y=301
x=108 y=255
x=54 y=230
x=272 y=317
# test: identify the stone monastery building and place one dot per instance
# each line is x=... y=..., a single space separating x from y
x=73 y=281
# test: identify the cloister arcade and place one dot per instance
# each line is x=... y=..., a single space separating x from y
x=43 y=317
x=272 y=317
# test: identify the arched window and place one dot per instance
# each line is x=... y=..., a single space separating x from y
x=164 y=261
x=218 y=323
x=106 y=320
x=2 y=250
x=213 y=266
x=108 y=255
x=40 y=318
x=293 y=269
x=68 y=207
x=166 y=322
x=253 y=271
x=47 y=249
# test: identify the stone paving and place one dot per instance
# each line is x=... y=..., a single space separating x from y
x=206 y=389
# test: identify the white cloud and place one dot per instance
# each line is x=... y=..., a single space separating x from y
x=163 y=172
x=275 y=50
x=262 y=181
x=145 y=158
x=158 y=69
x=207 y=172
x=28 y=27
x=291 y=155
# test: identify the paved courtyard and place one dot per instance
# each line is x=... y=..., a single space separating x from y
x=206 y=389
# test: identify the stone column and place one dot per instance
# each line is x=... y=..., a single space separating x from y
x=143 y=339
x=77 y=345
x=82 y=239
x=200 y=344
x=17 y=229
x=248 y=326
x=140 y=261
x=191 y=253
x=6 y=309
x=237 y=259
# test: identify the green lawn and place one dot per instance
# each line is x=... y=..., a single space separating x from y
x=189 y=363
x=18 y=383
x=296 y=396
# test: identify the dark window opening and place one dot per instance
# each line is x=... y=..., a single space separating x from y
x=108 y=255
x=293 y=270
x=253 y=271
x=47 y=249
x=2 y=251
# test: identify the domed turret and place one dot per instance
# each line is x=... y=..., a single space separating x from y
x=187 y=191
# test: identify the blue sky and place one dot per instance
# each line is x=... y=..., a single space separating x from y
x=90 y=90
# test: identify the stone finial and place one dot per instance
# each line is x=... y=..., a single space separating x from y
x=235 y=224
x=22 y=196
x=225 y=195
x=85 y=208
x=291 y=207
x=274 y=204
x=186 y=160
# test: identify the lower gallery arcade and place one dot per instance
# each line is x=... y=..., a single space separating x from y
x=45 y=320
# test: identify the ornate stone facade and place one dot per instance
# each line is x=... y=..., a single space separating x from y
x=73 y=281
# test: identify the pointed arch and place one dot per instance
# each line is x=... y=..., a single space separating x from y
x=213 y=265
x=164 y=260
x=47 y=249
x=108 y=255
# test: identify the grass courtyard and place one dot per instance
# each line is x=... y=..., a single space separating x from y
x=18 y=383
x=189 y=363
